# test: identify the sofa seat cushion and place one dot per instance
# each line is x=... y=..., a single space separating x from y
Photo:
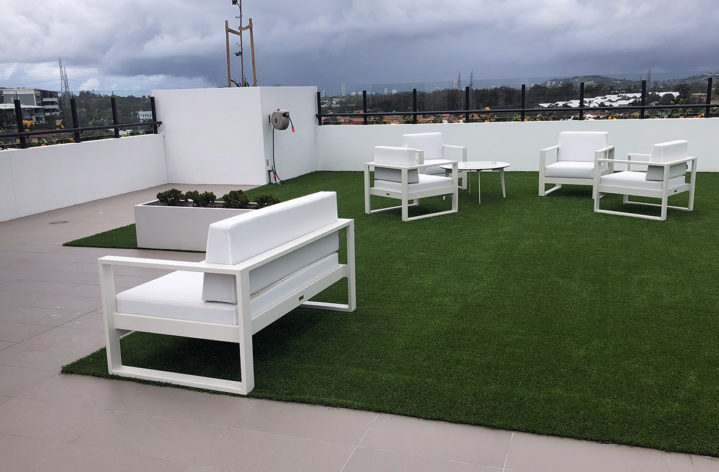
x=178 y=295
x=426 y=182
x=570 y=169
x=632 y=179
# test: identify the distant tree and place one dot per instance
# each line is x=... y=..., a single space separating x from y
x=684 y=94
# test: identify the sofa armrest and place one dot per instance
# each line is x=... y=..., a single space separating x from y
x=167 y=264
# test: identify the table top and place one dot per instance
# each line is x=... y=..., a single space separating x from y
x=478 y=165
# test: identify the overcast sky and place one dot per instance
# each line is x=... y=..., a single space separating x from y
x=152 y=44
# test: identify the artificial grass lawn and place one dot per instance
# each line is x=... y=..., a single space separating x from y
x=531 y=314
x=122 y=237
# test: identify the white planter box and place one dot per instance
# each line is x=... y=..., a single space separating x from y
x=177 y=227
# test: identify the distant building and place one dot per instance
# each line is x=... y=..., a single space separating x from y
x=144 y=115
x=343 y=89
x=40 y=106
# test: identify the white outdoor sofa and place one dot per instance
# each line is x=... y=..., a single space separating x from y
x=259 y=266
x=397 y=174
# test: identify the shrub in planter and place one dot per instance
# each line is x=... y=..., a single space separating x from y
x=235 y=199
x=170 y=197
x=203 y=199
x=266 y=199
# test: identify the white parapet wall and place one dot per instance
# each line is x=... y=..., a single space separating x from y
x=223 y=135
x=43 y=178
x=347 y=147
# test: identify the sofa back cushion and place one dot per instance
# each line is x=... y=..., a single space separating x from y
x=667 y=152
x=430 y=143
x=242 y=237
x=398 y=156
x=581 y=145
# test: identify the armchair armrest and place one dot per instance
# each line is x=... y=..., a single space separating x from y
x=393 y=166
x=543 y=156
x=606 y=163
x=648 y=163
x=462 y=148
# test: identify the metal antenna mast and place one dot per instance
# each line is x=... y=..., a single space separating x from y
x=242 y=50
x=64 y=87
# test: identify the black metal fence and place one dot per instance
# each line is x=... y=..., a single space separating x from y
x=522 y=110
x=77 y=130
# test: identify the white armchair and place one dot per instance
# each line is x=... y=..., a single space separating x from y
x=397 y=174
x=431 y=149
x=574 y=158
x=665 y=175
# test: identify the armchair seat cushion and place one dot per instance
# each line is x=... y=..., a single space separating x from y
x=426 y=182
x=571 y=169
x=637 y=180
x=178 y=295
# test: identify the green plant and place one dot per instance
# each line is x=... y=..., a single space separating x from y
x=193 y=195
x=170 y=197
x=203 y=199
x=206 y=199
x=266 y=199
x=235 y=199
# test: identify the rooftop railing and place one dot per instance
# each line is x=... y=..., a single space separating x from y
x=22 y=136
x=521 y=111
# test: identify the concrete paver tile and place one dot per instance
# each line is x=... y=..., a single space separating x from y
x=309 y=421
x=440 y=440
x=365 y=459
x=547 y=453
x=241 y=450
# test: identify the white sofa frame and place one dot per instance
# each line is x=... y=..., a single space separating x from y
x=606 y=154
x=406 y=194
x=118 y=324
x=663 y=194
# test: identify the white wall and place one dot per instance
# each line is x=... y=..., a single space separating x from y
x=44 y=178
x=295 y=153
x=347 y=147
x=223 y=136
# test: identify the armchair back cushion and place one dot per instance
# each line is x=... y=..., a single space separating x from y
x=397 y=156
x=430 y=143
x=666 y=152
x=581 y=145
x=244 y=236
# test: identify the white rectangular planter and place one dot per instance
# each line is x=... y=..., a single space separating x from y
x=177 y=227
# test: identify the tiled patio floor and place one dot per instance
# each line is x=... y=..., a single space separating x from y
x=50 y=315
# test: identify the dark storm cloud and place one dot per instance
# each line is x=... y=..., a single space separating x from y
x=137 y=44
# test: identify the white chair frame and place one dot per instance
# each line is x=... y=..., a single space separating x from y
x=406 y=194
x=606 y=154
x=663 y=194
x=118 y=324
